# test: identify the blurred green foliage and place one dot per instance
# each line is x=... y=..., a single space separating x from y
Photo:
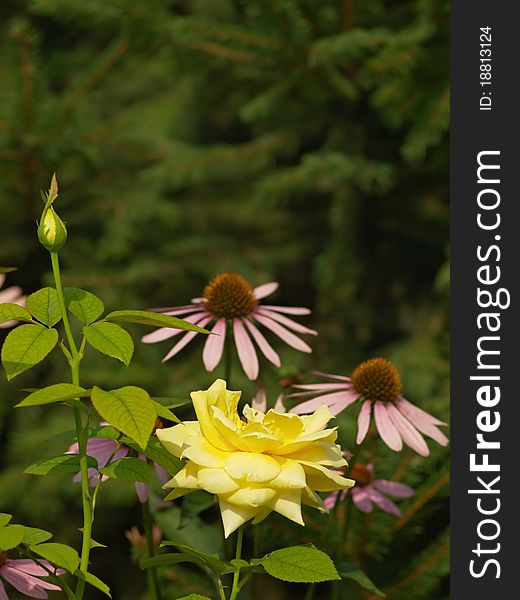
x=289 y=140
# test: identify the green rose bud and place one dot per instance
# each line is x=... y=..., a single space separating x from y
x=51 y=230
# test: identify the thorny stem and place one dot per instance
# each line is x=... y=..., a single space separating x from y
x=81 y=432
x=151 y=574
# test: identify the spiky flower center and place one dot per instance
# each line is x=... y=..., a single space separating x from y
x=377 y=379
x=3 y=558
x=360 y=474
x=229 y=295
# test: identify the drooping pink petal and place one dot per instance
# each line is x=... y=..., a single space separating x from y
x=214 y=345
x=409 y=434
x=26 y=584
x=198 y=300
x=284 y=334
x=29 y=566
x=309 y=406
x=165 y=333
x=363 y=421
x=11 y=294
x=142 y=491
x=289 y=323
x=387 y=430
x=185 y=340
x=181 y=310
x=262 y=291
x=322 y=387
x=3 y=593
x=279 y=405
x=288 y=310
x=245 y=349
x=384 y=503
x=161 y=474
x=263 y=344
x=393 y=488
x=361 y=499
x=330 y=376
x=259 y=401
x=422 y=420
x=330 y=500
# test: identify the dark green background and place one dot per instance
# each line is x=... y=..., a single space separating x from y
x=297 y=141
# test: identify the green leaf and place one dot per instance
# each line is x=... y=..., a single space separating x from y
x=145 y=317
x=11 y=536
x=94 y=581
x=110 y=339
x=26 y=346
x=4 y=519
x=58 y=554
x=300 y=564
x=165 y=413
x=171 y=401
x=44 y=305
x=165 y=560
x=8 y=269
x=129 y=469
x=157 y=453
x=13 y=312
x=64 y=463
x=59 y=392
x=130 y=409
x=35 y=536
x=211 y=561
x=351 y=571
x=83 y=305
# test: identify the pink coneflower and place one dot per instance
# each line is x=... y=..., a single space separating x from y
x=369 y=491
x=232 y=306
x=23 y=575
x=12 y=294
x=106 y=451
x=139 y=541
x=377 y=384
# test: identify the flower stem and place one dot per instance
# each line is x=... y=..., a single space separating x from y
x=236 y=575
x=81 y=431
x=151 y=573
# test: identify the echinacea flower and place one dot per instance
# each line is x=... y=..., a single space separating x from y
x=107 y=451
x=23 y=574
x=12 y=294
x=139 y=541
x=369 y=491
x=232 y=306
x=376 y=383
x=267 y=462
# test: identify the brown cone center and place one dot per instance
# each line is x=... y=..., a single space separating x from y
x=360 y=474
x=3 y=558
x=229 y=295
x=377 y=379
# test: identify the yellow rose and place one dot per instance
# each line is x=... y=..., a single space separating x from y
x=272 y=461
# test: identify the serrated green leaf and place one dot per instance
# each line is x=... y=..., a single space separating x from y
x=84 y=305
x=13 y=312
x=64 y=463
x=94 y=581
x=145 y=317
x=351 y=571
x=300 y=564
x=130 y=409
x=4 y=519
x=110 y=339
x=209 y=560
x=11 y=536
x=59 y=392
x=157 y=453
x=34 y=535
x=171 y=401
x=129 y=469
x=26 y=346
x=165 y=413
x=44 y=305
x=58 y=554
x=165 y=560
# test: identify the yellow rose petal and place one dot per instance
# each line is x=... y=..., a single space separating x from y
x=216 y=481
x=318 y=420
x=292 y=475
x=249 y=466
x=288 y=504
x=251 y=496
x=234 y=516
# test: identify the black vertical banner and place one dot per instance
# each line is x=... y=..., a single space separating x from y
x=485 y=171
